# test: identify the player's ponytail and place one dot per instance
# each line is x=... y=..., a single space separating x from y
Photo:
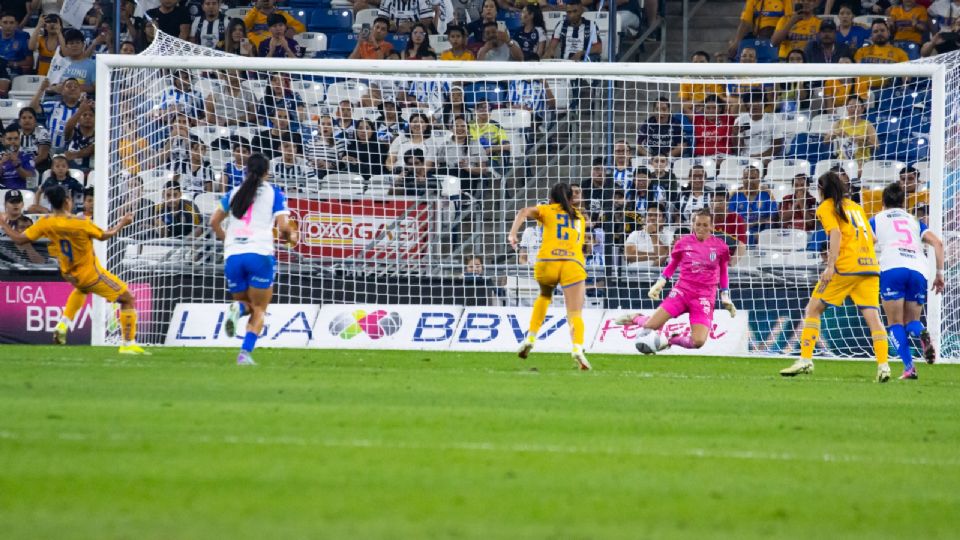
x=561 y=194
x=257 y=167
x=57 y=196
x=832 y=187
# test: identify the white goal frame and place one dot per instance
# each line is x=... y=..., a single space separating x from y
x=702 y=72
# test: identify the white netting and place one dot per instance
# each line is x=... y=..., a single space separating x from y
x=404 y=185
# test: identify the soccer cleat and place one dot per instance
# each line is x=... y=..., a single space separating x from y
x=883 y=372
x=60 y=334
x=233 y=315
x=929 y=352
x=245 y=359
x=634 y=319
x=525 y=348
x=801 y=366
x=909 y=375
x=581 y=360
x=133 y=348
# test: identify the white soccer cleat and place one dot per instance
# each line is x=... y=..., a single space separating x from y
x=801 y=367
x=629 y=319
x=883 y=372
x=524 y=351
x=581 y=360
x=650 y=342
x=233 y=315
x=60 y=334
x=245 y=359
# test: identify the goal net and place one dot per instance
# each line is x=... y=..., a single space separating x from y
x=404 y=178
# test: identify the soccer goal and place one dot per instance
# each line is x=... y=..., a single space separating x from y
x=404 y=178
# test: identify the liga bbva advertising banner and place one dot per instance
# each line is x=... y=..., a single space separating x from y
x=31 y=309
x=201 y=325
x=361 y=228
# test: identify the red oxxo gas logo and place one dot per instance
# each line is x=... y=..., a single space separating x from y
x=327 y=230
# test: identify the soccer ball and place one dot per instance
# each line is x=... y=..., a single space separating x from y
x=649 y=341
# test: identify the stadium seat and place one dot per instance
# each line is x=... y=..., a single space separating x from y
x=439 y=44
x=300 y=14
x=24 y=87
x=382 y=181
x=822 y=124
x=219 y=158
x=330 y=20
x=246 y=132
x=368 y=113
x=879 y=173
x=786 y=169
x=29 y=197
x=512 y=119
x=352 y=90
x=339 y=43
x=443 y=136
x=449 y=186
x=809 y=147
x=312 y=92
x=866 y=20
x=364 y=16
x=789 y=124
x=909 y=47
x=782 y=239
x=154 y=179
x=780 y=189
x=238 y=12
x=76 y=174
x=552 y=19
x=732 y=168
x=640 y=162
x=482 y=91
x=206 y=203
x=923 y=171
x=207 y=87
x=561 y=93
x=208 y=134
x=682 y=166
x=766 y=53
x=399 y=41
x=511 y=19
x=824 y=166
x=10 y=109
x=256 y=87
x=312 y=43
x=407 y=112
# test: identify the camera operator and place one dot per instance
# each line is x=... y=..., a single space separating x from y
x=944 y=41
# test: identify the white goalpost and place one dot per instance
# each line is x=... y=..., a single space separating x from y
x=404 y=177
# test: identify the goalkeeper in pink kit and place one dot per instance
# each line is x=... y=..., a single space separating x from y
x=702 y=259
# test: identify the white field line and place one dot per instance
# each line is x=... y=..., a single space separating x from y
x=500 y=448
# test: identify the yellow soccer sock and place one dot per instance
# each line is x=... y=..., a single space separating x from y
x=540 y=306
x=881 y=347
x=74 y=303
x=128 y=324
x=809 y=337
x=576 y=329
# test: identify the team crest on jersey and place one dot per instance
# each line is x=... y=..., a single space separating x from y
x=713 y=255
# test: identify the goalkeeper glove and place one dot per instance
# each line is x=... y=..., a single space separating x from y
x=727 y=303
x=654 y=292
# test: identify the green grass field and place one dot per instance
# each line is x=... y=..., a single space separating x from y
x=369 y=444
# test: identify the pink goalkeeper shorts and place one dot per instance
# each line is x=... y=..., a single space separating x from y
x=699 y=307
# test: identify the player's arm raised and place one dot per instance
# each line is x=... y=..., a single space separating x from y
x=529 y=212
x=929 y=237
x=113 y=231
x=18 y=237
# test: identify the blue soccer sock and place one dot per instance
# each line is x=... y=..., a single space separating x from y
x=249 y=342
x=899 y=336
x=914 y=328
x=243 y=309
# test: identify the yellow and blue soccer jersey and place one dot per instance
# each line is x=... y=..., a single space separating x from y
x=857 y=255
x=802 y=32
x=562 y=235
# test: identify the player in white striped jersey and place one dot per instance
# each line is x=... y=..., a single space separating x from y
x=251 y=211
x=903 y=267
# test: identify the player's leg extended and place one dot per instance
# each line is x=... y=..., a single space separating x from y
x=648 y=340
x=74 y=302
x=573 y=296
x=537 y=316
x=259 y=300
x=893 y=310
x=698 y=336
x=808 y=338
x=911 y=313
x=880 y=344
x=239 y=308
x=128 y=324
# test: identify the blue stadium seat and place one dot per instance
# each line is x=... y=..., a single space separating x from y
x=809 y=147
x=512 y=20
x=909 y=47
x=341 y=42
x=482 y=91
x=301 y=14
x=399 y=41
x=330 y=20
x=909 y=149
x=766 y=53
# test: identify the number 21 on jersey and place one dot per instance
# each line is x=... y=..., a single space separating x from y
x=563 y=225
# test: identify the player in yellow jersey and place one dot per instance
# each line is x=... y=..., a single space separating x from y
x=560 y=262
x=71 y=242
x=851 y=270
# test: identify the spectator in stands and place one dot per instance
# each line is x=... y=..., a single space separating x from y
x=172 y=18
x=491 y=136
x=89 y=203
x=373 y=45
x=128 y=47
x=910 y=22
x=176 y=217
x=279 y=95
x=758 y=134
x=712 y=128
x=661 y=135
x=234 y=171
x=344 y=124
x=277 y=44
x=210 y=27
x=34 y=138
x=45 y=40
x=795 y=30
x=825 y=49
x=180 y=99
x=880 y=51
x=80 y=134
x=258 y=24
x=497 y=45
x=237 y=41
x=798 y=210
x=59 y=176
x=364 y=152
x=915 y=197
x=853 y=184
x=457 y=37
x=176 y=145
x=663 y=187
x=853 y=136
x=692 y=95
x=267 y=142
x=464 y=158
x=737 y=92
x=946 y=40
x=72 y=64
x=13 y=210
x=754 y=204
x=574 y=37
x=475 y=32
x=598 y=192
x=943 y=13
x=416 y=180
x=290 y=170
x=759 y=18
x=649 y=246
x=852 y=35
x=694 y=196
x=640 y=195
x=15 y=45
x=425 y=94
x=418 y=44
x=623 y=171
x=402 y=14
x=323 y=150
x=391 y=125
x=135 y=203
x=16 y=166
x=794 y=96
x=62 y=111
x=232 y=104
x=196 y=175
x=725 y=221
x=102 y=43
x=532 y=35
x=417 y=138
x=534 y=96
x=131 y=26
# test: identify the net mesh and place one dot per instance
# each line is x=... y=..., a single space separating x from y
x=404 y=187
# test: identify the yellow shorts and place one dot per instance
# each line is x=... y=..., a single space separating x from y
x=863 y=290
x=564 y=273
x=98 y=281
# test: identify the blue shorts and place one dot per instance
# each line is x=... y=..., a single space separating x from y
x=903 y=284
x=249 y=270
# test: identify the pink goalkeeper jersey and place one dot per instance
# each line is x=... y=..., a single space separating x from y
x=703 y=265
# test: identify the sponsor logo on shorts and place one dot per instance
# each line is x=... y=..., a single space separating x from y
x=375 y=324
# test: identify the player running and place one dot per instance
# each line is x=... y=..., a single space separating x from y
x=559 y=262
x=851 y=270
x=903 y=287
x=702 y=259
x=70 y=242
x=251 y=210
